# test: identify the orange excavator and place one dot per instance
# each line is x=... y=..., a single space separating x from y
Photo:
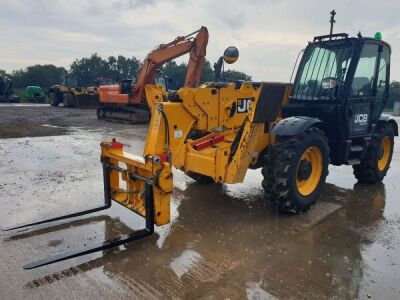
x=127 y=101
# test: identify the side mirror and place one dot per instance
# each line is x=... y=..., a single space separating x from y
x=231 y=55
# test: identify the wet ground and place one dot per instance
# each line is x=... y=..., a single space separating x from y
x=224 y=241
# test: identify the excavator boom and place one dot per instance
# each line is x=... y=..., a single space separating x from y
x=164 y=53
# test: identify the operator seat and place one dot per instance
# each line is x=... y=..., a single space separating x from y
x=361 y=87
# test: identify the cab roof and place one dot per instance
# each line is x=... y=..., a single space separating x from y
x=344 y=36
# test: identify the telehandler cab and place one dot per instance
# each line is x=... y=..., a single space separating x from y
x=214 y=133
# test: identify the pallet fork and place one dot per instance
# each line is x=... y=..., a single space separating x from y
x=138 y=197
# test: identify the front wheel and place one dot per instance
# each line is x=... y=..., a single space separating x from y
x=295 y=170
x=376 y=161
x=53 y=99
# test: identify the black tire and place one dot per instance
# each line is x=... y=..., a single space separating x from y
x=99 y=113
x=200 y=178
x=281 y=170
x=69 y=100
x=53 y=100
x=368 y=172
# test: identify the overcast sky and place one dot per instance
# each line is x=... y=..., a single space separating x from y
x=268 y=33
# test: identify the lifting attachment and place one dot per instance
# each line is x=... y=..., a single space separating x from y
x=111 y=175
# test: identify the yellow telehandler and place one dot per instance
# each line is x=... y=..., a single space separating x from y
x=216 y=132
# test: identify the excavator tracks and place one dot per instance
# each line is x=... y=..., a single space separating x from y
x=129 y=115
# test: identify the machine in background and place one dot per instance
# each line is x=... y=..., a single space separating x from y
x=35 y=94
x=7 y=91
x=73 y=96
x=127 y=102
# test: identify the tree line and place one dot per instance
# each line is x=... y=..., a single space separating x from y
x=85 y=71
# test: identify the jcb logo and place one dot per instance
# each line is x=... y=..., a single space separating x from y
x=243 y=105
x=361 y=119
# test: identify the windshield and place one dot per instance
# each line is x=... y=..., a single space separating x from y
x=323 y=71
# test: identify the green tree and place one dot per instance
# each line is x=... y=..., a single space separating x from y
x=233 y=75
x=207 y=73
x=40 y=75
x=176 y=74
x=3 y=73
x=126 y=67
x=86 y=70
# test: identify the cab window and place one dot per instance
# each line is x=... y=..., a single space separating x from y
x=382 y=86
x=364 y=76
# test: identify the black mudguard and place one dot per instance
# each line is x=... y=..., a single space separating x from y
x=386 y=118
x=294 y=125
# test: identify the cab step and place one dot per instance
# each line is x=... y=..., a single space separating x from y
x=353 y=161
x=356 y=148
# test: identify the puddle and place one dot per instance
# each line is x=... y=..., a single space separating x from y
x=25 y=104
x=183 y=263
x=255 y=292
x=51 y=126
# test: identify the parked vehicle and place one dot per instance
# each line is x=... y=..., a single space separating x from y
x=35 y=94
x=7 y=90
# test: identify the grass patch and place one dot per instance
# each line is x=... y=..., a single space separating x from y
x=388 y=110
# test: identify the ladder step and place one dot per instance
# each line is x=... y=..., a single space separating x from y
x=353 y=161
x=356 y=148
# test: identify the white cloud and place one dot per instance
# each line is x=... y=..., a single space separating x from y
x=268 y=33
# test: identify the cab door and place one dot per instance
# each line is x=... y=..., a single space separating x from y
x=382 y=85
x=362 y=94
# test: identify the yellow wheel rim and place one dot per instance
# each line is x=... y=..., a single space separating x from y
x=313 y=157
x=384 y=158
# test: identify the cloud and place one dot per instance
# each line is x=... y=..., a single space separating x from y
x=269 y=34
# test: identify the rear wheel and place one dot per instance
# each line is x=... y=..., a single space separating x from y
x=53 y=99
x=99 y=113
x=295 y=170
x=68 y=100
x=376 y=161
